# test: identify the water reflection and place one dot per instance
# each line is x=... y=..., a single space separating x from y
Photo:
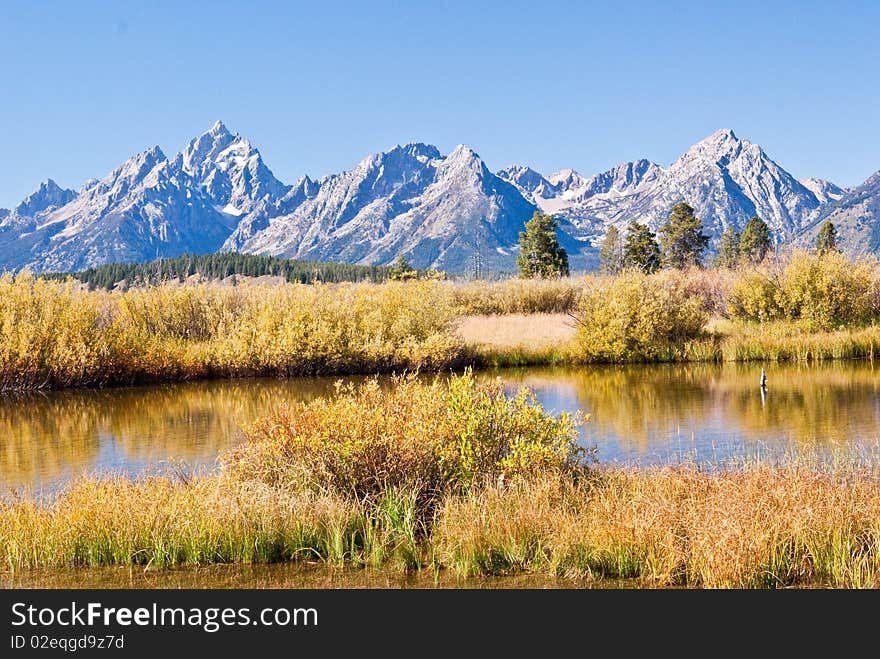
x=653 y=413
x=647 y=414
x=287 y=576
x=46 y=438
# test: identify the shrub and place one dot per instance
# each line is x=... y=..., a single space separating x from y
x=427 y=438
x=754 y=296
x=55 y=334
x=637 y=317
x=822 y=290
x=828 y=289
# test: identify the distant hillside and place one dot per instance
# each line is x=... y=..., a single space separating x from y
x=222 y=265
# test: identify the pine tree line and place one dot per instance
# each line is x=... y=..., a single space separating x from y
x=221 y=265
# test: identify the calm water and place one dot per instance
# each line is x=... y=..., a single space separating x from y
x=638 y=414
x=287 y=575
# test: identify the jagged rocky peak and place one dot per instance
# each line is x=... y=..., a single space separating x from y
x=825 y=191
x=567 y=179
x=129 y=174
x=722 y=145
x=230 y=169
x=398 y=160
x=422 y=152
x=463 y=161
x=623 y=178
x=205 y=147
x=528 y=181
x=46 y=197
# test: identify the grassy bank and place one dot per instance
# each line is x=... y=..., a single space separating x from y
x=55 y=334
x=465 y=479
x=759 y=527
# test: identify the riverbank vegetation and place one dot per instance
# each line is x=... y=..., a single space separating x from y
x=805 y=307
x=460 y=477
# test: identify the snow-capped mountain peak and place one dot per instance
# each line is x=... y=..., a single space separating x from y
x=566 y=179
x=442 y=211
x=46 y=197
x=825 y=191
x=530 y=183
x=230 y=170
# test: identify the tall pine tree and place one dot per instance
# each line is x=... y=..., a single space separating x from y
x=540 y=254
x=682 y=238
x=611 y=252
x=826 y=241
x=641 y=249
x=728 y=249
x=755 y=241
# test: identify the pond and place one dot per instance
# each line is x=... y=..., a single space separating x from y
x=644 y=415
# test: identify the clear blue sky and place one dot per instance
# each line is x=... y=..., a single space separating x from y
x=316 y=86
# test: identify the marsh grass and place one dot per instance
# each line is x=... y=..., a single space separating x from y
x=163 y=522
x=757 y=527
x=55 y=334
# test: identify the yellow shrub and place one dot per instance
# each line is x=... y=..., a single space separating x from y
x=637 y=317
x=828 y=289
x=55 y=334
x=822 y=290
x=755 y=296
x=414 y=436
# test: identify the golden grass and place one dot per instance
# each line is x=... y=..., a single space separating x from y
x=56 y=334
x=757 y=527
x=534 y=331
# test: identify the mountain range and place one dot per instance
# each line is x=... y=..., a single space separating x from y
x=441 y=211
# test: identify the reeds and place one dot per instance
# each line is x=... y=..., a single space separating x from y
x=55 y=334
x=164 y=522
x=757 y=527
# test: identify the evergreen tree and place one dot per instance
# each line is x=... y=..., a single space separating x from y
x=755 y=241
x=539 y=252
x=401 y=269
x=611 y=252
x=826 y=241
x=728 y=249
x=641 y=249
x=682 y=238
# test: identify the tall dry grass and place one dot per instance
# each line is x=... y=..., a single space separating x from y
x=757 y=527
x=164 y=522
x=54 y=334
x=517 y=296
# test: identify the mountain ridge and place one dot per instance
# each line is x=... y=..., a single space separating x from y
x=445 y=211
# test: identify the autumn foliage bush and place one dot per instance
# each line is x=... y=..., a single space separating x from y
x=637 y=317
x=822 y=290
x=424 y=437
x=55 y=334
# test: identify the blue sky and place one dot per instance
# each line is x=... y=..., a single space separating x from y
x=317 y=86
